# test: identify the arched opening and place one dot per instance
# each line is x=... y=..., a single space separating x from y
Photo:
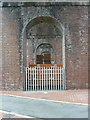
x=41 y=30
x=36 y=39
x=44 y=54
x=47 y=30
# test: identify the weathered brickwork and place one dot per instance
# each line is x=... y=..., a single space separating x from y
x=10 y=49
x=24 y=29
x=0 y=47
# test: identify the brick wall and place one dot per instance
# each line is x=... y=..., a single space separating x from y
x=10 y=50
x=75 y=22
x=0 y=47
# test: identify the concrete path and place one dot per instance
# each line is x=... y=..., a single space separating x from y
x=42 y=108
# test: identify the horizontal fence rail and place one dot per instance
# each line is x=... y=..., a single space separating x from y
x=44 y=78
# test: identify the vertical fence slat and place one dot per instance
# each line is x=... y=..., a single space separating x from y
x=30 y=83
x=26 y=79
x=42 y=77
x=49 y=78
x=53 y=78
x=46 y=78
x=63 y=78
x=60 y=78
x=56 y=77
x=35 y=78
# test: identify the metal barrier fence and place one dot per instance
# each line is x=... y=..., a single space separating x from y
x=44 y=78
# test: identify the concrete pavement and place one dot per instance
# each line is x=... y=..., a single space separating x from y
x=42 y=108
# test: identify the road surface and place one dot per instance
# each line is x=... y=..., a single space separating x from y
x=42 y=108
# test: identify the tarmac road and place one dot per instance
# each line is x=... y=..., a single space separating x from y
x=42 y=108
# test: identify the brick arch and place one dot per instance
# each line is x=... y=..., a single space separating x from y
x=44 y=19
x=40 y=19
x=49 y=51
